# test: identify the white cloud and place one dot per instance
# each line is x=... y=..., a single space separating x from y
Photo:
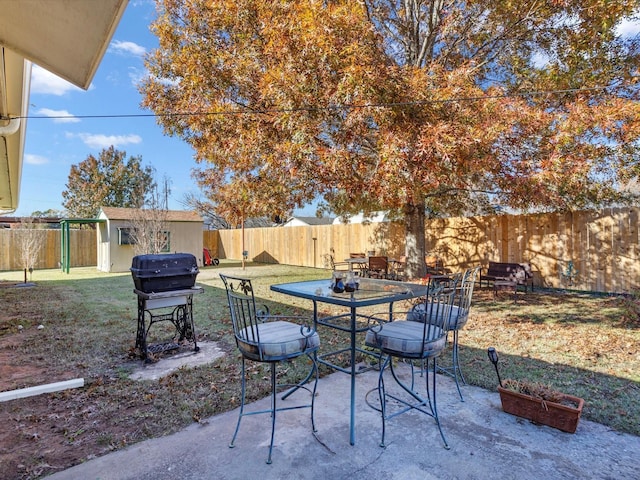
x=99 y=140
x=45 y=82
x=35 y=159
x=59 y=116
x=628 y=28
x=137 y=75
x=127 y=48
x=540 y=60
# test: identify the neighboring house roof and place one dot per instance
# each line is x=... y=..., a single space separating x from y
x=69 y=39
x=301 y=221
x=117 y=213
x=373 y=217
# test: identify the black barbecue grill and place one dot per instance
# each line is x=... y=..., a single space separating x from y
x=164 y=284
x=165 y=272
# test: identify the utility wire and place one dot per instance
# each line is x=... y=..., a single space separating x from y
x=330 y=107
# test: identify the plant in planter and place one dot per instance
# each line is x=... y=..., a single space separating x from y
x=537 y=402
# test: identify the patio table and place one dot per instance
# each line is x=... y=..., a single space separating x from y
x=370 y=292
x=359 y=262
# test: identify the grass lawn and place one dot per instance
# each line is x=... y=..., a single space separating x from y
x=83 y=324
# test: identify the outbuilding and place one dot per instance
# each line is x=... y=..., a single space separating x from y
x=115 y=246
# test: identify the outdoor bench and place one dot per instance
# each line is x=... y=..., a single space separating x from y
x=520 y=273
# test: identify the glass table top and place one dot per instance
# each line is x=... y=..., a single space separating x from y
x=369 y=291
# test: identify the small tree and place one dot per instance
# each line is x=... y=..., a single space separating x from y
x=149 y=227
x=207 y=210
x=31 y=242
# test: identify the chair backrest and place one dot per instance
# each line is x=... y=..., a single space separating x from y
x=436 y=313
x=343 y=266
x=357 y=255
x=464 y=294
x=378 y=264
x=450 y=281
x=244 y=315
x=400 y=264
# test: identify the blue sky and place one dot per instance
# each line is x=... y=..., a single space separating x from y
x=53 y=145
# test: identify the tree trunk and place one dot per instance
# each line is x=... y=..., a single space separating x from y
x=415 y=241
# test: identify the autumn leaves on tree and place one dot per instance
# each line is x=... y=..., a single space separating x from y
x=415 y=107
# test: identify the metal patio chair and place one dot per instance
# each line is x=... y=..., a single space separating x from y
x=361 y=268
x=378 y=267
x=457 y=320
x=435 y=266
x=416 y=342
x=337 y=266
x=271 y=339
x=458 y=317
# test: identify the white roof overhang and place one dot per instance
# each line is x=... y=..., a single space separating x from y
x=15 y=78
x=66 y=37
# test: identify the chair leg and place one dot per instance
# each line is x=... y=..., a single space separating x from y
x=421 y=402
x=314 y=368
x=243 y=390
x=383 y=396
x=313 y=372
x=456 y=358
x=274 y=396
x=435 y=404
x=273 y=409
x=455 y=371
x=296 y=387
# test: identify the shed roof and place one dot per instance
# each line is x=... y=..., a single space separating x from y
x=119 y=213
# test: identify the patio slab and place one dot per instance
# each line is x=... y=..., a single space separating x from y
x=208 y=352
x=485 y=443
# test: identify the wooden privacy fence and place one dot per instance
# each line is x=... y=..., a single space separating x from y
x=602 y=246
x=82 y=243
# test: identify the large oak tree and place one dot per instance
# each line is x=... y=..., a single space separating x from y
x=416 y=107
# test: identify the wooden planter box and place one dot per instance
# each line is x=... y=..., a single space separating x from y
x=556 y=415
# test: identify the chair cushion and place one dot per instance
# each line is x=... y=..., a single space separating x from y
x=457 y=319
x=405 y=339
x=278 y=340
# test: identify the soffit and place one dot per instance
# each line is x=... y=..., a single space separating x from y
x=66 y=37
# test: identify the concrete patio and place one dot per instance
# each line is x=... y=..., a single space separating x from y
x=485 y=443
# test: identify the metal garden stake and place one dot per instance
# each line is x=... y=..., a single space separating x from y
x=493 y=356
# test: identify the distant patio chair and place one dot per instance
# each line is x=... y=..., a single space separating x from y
x=378 y=267
x=265 y=338
x=337 y=266
x=398 y=268
x=360 y=268
x=435 y=266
